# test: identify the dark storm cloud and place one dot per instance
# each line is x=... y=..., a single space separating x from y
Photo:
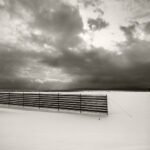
x=96 y=68
x=12 y=61
x=54 y=20
x=128 y=31
x=147 y=27
x=97 y=24
x=31 y=85
x=18 y=84
x=64 y=20
x=58 y=20
x=49 y=15
x=93 y=3
x=100 y=69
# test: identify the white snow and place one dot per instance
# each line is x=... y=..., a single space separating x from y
x=127 y=126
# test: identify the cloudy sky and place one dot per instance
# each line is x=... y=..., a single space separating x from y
x=74 y=44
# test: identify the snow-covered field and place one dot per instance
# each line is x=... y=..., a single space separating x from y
x=127 y=127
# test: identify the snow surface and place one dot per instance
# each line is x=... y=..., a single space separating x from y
x=127 y=126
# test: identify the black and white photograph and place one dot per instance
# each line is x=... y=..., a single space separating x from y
x=74 y=74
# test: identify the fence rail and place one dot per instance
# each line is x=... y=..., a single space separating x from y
x=57 y=101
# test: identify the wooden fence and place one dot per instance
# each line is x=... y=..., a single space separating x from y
x=57 y=101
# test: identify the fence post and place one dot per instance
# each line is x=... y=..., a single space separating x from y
x=39 y=100
x=80 y=102
x=107 y=103
x=8 y=98
x=58 y=101
x=23 y=99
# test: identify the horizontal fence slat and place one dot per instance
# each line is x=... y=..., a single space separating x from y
x=93 y=103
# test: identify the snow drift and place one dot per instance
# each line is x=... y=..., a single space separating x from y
x=127 y=126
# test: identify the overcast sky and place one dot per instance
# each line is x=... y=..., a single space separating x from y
x=74 y=44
